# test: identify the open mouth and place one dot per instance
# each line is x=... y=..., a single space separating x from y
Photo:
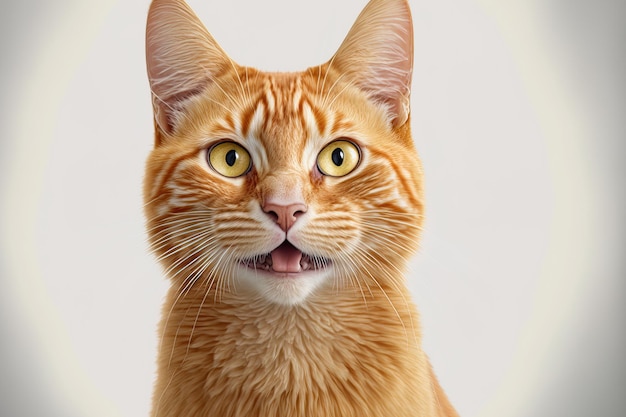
x=286 y=259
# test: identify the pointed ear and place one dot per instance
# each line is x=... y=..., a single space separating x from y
x=377 y=55
x=181 y=56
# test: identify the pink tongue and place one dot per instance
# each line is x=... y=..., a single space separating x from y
x=286 y=258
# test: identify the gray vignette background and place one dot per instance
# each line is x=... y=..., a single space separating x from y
x=518 y=113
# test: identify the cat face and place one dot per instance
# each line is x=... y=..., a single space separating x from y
x=282 y=186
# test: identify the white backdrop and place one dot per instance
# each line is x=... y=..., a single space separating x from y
x=518 y=113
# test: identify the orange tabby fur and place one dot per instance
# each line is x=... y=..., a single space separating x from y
x=349 y=345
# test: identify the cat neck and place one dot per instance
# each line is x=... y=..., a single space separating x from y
x=249 y=321
x=345 y=345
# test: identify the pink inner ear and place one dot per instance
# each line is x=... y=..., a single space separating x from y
x=377 y=55
x=181 y=57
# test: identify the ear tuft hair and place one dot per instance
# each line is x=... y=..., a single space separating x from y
x=181 y=57
x=377 y=55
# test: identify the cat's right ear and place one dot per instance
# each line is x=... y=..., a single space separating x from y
x=377 y=56
x=182 y=58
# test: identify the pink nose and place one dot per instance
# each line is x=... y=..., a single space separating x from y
x=284 y=215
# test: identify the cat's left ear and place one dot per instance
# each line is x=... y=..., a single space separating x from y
x=377 y=55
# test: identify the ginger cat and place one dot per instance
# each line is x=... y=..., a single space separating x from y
x=284 y=208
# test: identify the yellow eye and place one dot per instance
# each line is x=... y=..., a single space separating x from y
x=229 y=159
x=338 y=158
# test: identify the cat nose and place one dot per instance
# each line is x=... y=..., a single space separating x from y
x=285 y=215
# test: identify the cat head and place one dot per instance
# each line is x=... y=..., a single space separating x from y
x=282 y=185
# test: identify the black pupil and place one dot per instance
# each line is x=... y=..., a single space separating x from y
x=231 y=157
x=338 y=157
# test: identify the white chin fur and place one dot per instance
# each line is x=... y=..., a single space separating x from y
x=282 y=290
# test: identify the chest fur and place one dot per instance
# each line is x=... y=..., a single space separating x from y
x=277 y=361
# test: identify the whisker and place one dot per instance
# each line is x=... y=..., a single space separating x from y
x=188 y=231
x=192 y=253
x=330 y=64
x=349 y=269
x=345 y=87
x=206 y=293
x=392 y=278
x=361 y=255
